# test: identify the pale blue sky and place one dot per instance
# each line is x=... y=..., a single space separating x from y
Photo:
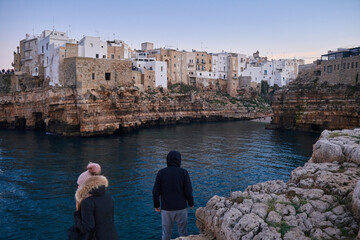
x=278 y=28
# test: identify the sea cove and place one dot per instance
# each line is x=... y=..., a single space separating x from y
x=38 y=172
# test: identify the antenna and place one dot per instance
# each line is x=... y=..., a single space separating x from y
x=69 y=31
x=53 y=24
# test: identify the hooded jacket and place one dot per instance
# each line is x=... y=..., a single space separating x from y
x=95 y=219
x=173 y=185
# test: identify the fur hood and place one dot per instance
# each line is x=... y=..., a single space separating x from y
x=91 y=183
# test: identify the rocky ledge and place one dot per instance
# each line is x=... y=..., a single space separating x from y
x=320 y=201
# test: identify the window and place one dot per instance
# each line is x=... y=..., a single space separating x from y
x=348 y=65
x=93 y=76
x=224 y=76
x=338 y=67
x=334 y=67
x=344 y=66
x=174 y=56
x=235 y=75
x=107 y=76
x=162 y=68
x=118 y=56
x=91 y=45
x=200 y=74
x=324 y=68
x=174 y=65
x=47 y=60
x=352 y=65
x=47 y=46
x=151 y=68
x=104 y=56
x=329 y=69
x=356 y=64
x=97 y=55
x=112 y=56
x=42 y=49
x=102 y=46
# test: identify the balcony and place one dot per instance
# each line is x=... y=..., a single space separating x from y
x=26 y=58
x=27 y=49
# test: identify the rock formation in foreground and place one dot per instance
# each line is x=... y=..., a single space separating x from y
x=320 y=201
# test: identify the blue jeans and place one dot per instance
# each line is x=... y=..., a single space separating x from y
x=168 y=219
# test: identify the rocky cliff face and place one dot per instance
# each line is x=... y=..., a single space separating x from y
x=65 y=111
x=310 y=105
x=320 y=201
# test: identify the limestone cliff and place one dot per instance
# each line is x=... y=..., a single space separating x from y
x=313 y=105
x=320 y=201
x=66 y=111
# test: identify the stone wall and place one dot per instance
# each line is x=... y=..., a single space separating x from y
x=92 y=73
x=116 y=52
x=341 y=70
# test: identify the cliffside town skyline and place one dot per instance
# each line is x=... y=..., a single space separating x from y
x=44 y=55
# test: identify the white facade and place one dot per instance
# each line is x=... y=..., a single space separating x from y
x=52 y=69
x=279 y=72
x=54 y=38
x=159 y=67
x=220 y=65
x=241 y=63
x=92 y=47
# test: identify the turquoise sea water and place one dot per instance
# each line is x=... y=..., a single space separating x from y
x=38 y=172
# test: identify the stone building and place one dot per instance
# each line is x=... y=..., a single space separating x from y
x=94 y=74
x=159 y=68
x=341 y=66
x=29 y=55
x=17 y=60
x=117 y=49
x=146 y=46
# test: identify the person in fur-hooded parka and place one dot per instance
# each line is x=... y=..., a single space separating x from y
x=95 y=209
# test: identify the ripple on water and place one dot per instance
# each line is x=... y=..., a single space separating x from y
x=38 y=172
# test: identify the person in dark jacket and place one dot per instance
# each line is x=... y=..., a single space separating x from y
x=173 y=186
x=94 y=217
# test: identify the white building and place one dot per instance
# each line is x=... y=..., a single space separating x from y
x=92 y=47
x=279 y=72
x=48 y=49
x=159 y=67
x=220 y=65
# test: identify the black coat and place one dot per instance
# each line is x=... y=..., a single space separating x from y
x=173 y=185
x=96 y=215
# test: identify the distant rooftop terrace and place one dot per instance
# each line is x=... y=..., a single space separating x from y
x=341 y=54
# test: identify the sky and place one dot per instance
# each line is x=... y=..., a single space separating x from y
x=276 y=28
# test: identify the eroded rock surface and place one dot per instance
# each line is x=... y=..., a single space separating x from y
x=320 y=201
